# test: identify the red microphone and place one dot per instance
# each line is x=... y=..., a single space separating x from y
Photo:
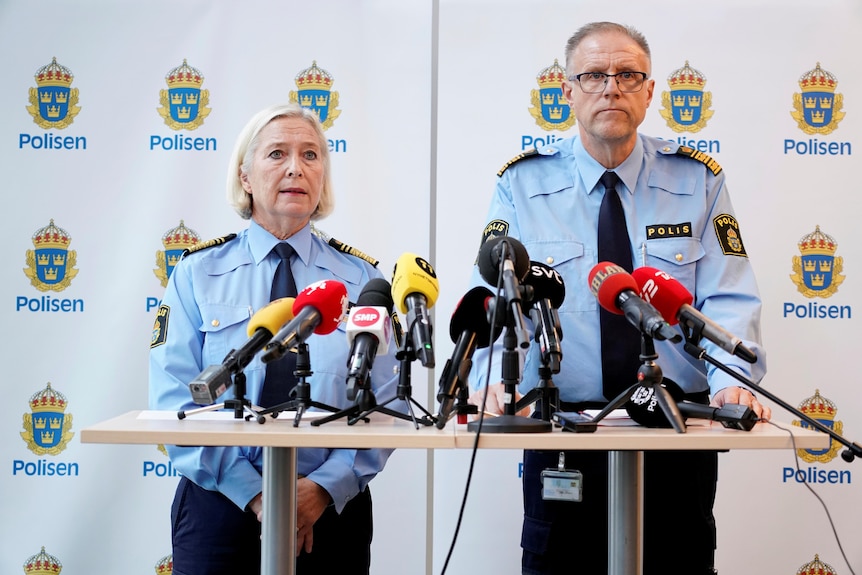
x=673 y=301
x=319 y=309
x=616 y=291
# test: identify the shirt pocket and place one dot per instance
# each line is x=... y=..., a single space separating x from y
x=678 y=257
x=224 y=328
x=569 y=258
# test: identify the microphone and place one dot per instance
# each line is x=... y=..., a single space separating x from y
x=509 y=254
x=616 y=291
x=549 y=291
x=318 y=309
x=415 y=289
x=643 y=408
x=470 y=330
x=216 y=379
x=673 y=301
x=369 y=331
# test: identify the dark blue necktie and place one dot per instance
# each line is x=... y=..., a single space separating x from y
x=280 y=379
x=621 y=343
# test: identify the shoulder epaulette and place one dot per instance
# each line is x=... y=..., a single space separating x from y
x=342 y=247
x=518 y=158
x=208 y=244
x=705 y=159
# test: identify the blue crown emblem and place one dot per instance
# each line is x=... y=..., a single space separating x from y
x=51 y=265
x=53 y=102
x=817 y=272
x=47 y=428
x=548 y=106
x=175 y=241
x=686 y=106
x=817 y=110
x=314 y=91
x=42 y=564
x=823 y=411
x=184 y=104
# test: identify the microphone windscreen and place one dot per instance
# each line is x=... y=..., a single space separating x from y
x=329 y=298
x=643 y=406
x=491 y=255
x=547 y=283
x=471 y=315
x=665 y=293
x=413 y=274
x=376 y=293
x=272 y=316
x=607 y=280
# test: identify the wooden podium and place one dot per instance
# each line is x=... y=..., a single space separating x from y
x=279 y=440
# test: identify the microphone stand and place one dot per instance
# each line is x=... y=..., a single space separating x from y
x=508 y=422
x=545 y=393
x=405 y=355
x=241 y=406
x=301 y=392
x=693 y=335
x=649 y=376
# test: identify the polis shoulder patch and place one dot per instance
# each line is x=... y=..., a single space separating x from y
x=208 y=244
x=160 y=328
x=729 y=238
x=529 y=153
x=705 y=159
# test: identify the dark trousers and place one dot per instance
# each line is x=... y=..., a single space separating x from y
x=212 y=536
x=572 y=537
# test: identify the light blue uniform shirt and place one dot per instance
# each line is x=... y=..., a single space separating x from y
x=211 y=296
x=677 y=212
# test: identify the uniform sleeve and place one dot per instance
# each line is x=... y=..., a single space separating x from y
x=175 y=360
x=726 y=289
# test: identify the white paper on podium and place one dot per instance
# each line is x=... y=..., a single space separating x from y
x=226 y=415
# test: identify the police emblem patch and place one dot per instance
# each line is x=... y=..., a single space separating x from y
x=314 y=91
x=729 y=237
x=160 y=327
x=184 y=106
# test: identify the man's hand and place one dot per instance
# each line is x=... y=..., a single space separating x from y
x=311 y=501
x=496 y=402
x=743 y=397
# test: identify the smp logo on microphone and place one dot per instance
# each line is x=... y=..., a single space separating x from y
x=365 y=316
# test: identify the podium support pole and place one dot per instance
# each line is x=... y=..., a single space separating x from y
x=278 y=534
x=625 y=512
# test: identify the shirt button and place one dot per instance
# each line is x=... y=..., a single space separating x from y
x=678 y=257
x=549 y=259
x=215 y=323
x=666 y=149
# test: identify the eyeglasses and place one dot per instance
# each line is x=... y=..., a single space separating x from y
x=595 y=82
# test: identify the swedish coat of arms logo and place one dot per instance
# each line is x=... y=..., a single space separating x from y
x=165 y=565
x=817 y=272
x=817 y=110
x=314 y=91
x=175 y=241
x=53 y=102
x=42 y=563
x=816 y=567
x=184 y=106
x=547 y=105
x=51 y=266
x=47 y=428
x=687 y=105
x=823 y=411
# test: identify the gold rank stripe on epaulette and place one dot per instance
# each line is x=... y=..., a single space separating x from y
x=208 y=244
x=350 y=250
x=705 y=159
x=518 y=158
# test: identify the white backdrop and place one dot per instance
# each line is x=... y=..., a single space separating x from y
x=434 y=96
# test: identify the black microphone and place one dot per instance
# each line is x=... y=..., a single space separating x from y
x=644 y=409
x=510 y=255
x=369 y=330
x=216 y=379
x=470 y=330
x=548 y=293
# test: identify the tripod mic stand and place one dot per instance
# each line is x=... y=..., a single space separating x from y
x=302 y=390
x=508 y=422
x=545 y=394
x=693 y=335
x=649 y=376
x=241 y=406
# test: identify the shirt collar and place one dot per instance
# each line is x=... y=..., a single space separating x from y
x=591 y=171
x=261 y=242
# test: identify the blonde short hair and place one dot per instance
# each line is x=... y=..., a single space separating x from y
x=246 y=144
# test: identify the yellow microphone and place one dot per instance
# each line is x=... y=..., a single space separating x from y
x=415 y=289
